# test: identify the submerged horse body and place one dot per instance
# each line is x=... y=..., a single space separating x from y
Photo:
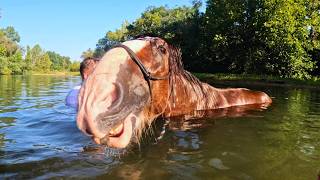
x=140 y=80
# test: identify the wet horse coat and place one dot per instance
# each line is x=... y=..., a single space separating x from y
x=120 y=99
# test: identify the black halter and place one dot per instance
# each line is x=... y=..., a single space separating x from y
x=146 y=74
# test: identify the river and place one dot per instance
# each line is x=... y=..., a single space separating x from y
x=39 y=139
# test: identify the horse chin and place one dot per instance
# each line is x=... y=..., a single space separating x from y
x=120 y=135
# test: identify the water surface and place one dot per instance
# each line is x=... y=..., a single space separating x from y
x=39 y=139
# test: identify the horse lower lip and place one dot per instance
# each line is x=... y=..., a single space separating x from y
x=104 y=140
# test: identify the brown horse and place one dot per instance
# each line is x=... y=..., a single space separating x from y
x=140 y=80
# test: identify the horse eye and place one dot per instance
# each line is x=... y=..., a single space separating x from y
x=162 y=49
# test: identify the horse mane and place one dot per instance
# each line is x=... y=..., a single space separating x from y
x=176 y=69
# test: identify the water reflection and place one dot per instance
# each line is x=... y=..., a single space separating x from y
x=39 y=138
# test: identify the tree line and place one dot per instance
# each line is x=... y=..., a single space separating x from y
x=13 y=61
x=263 y=37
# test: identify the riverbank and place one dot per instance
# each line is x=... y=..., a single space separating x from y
x=238 y=79
x=225 y=79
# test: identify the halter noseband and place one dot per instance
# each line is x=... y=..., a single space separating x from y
x=146 y=74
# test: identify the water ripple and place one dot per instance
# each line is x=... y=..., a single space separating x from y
x=39 y=139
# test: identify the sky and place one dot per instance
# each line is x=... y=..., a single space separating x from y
x=70 y=27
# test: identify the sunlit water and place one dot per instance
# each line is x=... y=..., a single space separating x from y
x=39 y=139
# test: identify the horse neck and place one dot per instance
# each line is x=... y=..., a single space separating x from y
x=189 y=94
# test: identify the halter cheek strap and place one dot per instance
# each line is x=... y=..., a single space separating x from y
x=146 y=74
x=149 y=77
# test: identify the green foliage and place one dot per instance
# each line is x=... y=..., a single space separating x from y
x=75 y=66
x=59 y=63
x=181 y=26
x=28 y=59
x=288 y=29
x=11 y=61
x=120 y=34
x=12 y=34
x=87 y=54
x=3 y=50
x=8 y=47
x=15 y=63
x=43 y=64
x=272 y=37
x=171 y=24
x=263 y=36
x=4 y=65
x=33 y=57
x=36 y=59
x=110 y=39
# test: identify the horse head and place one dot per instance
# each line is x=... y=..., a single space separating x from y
x=128 y=88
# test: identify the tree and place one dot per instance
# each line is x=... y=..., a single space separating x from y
x=66 y=63
x=181 y=26
x=111 y=39
x=275 y=37
x=11 y=47
x=59 y=63
x=15 y=63
x=87 y=54
x=37 y=59
x=288 y=36
x=4 y=69
x=43 y=64
x=33 y=55
x=75 y=66
x=28 y=59
x=12 y=34
x=163 y=21
x=10 y=52
x=262 y=36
